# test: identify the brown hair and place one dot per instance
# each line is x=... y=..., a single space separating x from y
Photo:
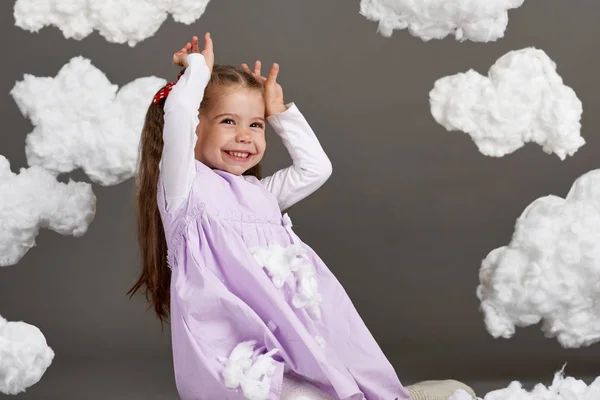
x=155 y=275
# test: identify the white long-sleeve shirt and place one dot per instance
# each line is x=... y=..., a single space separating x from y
x=310 y=165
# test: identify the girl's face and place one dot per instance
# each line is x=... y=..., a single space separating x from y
x=231 y=133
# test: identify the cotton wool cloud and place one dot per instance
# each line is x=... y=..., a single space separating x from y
x=523 y=99
x=474 y=20
x=249 y=371
x=550 y=270
x=283 y=262
x=81 y=120
x=562 y=388
x=34 y=199
x=24 y=356
x=118 y=21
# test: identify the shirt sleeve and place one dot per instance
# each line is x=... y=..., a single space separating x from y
x=177 y=165
x=310 y=167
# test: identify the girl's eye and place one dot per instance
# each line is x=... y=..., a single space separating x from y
x=227 y=121
x=257 y=125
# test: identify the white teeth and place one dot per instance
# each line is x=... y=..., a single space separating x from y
x=241 y=155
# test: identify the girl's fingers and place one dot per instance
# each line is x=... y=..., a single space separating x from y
x=184 y=50
x=179 y=54
x=259 y=78
x=272 y=77
x=257 y=66
x=195 y=47
x=248 y=70
x=208 y=43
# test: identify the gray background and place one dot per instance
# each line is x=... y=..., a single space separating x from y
x=404 y=222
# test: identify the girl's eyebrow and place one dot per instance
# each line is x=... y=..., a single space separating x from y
x=229 y=114
x=236 y=115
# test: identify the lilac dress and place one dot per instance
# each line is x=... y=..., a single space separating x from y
x=241 y=275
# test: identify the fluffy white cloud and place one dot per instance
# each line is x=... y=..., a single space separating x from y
x=249 y=371
x=283 y=262
x=476 y=20
x=34 y=199
x=119 y=21
x=81 y=121
x=550 y=270
x=24 y=356
x=562 y=388
x=521 y=100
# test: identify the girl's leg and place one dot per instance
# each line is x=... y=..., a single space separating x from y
x=437 y=390
x=294 y=388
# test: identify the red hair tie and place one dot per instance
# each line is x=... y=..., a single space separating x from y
x=164 y=92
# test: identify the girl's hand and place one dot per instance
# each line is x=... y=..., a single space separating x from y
x=180 y=57
x=273 y=91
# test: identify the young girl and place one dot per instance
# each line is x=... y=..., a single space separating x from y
x=255 y=313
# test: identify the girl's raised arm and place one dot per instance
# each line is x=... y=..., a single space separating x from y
x=310 y=167
x=181 y=110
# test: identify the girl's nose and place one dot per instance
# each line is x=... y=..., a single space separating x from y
x=243 y=136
